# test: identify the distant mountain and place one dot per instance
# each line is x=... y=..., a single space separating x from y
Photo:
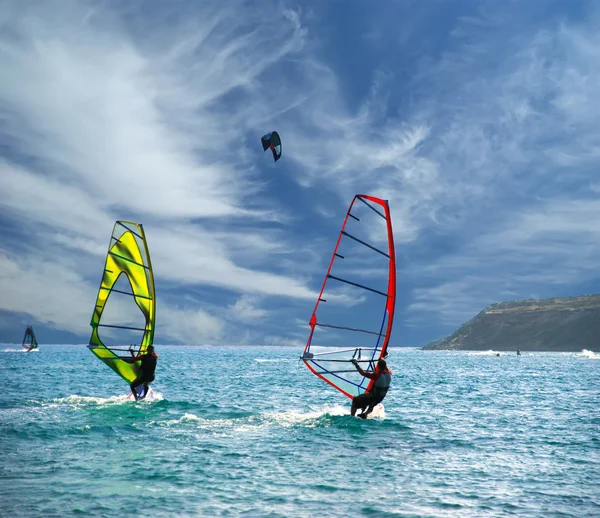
x=559 y=324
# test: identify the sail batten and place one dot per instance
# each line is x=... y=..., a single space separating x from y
x=347 y=328
x=343 y=330
x=140 y=235
x=360 y=198
x=346 y=281
x=127 y=261
x=126 y=293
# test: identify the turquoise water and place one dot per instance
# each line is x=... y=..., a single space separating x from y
x=250 y=431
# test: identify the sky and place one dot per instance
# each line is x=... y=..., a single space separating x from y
x=478 y=121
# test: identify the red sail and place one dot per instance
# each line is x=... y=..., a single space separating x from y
x=354 y=314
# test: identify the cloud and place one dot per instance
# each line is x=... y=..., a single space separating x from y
x=533 y=254
x=128 y=122
x=190 y=326
x=54 y=294
x=246 y=309
x=487 y=151
x=105 y=120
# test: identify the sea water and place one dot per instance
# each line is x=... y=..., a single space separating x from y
x=249 y=431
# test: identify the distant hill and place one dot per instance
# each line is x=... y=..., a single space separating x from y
x=559 y=324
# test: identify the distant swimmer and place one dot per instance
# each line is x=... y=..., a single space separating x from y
x=148 y=367
x=498 y=354
x=382 y=378
x=518 y=352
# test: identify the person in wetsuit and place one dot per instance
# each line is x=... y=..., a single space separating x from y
x=146 y=376
x=382 y=378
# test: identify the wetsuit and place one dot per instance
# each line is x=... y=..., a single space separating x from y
x=381 y=384
x=146 y=372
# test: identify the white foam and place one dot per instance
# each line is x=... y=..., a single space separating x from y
x=77 y=400
x=292 y=418
x=588 y=354
x=222 y=426
x=152 y=396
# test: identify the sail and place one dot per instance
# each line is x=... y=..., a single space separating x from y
x=354 y=313
x=29 y=340
x=123 y=317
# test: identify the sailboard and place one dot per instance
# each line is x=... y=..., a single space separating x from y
x=354 y=313
x=29 y=341
x=125 y=310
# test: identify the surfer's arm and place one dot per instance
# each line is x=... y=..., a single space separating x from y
x=134 y=357
x=370 y=375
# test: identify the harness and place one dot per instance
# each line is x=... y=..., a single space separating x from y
x=148 y=365
x=381 y=385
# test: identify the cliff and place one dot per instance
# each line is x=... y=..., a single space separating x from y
x=558 y=324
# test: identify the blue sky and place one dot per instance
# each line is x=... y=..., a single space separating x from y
x=478 y=121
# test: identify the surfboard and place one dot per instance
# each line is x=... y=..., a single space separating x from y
x=140 y=390
x=378 y=411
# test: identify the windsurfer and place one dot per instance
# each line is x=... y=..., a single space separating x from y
x=382 y=378
x=146 y=376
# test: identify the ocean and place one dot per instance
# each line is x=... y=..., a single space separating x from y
x=249 y=431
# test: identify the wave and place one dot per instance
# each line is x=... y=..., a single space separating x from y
x=271 y=360
x=588 y=354
x=21 y=350
x=220 y=425
x=206 y=419
x=314 y=417
x=81 y=401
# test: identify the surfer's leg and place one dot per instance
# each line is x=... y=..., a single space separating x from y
x=134 y=384
x=368 y=401
x=367 y=412
x=361 y=402
x=372 y=406
x=354 y=407
x=132 y=387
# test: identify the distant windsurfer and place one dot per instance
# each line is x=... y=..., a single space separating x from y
x=382 y=379
x=148 y=367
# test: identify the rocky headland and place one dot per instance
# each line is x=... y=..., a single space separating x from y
x=557 y=324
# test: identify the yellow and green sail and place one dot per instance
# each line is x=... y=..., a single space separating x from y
x=127 y=259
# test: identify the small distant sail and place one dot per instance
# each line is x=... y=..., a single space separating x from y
x=273 y=142
x=354 y=313
x=29 y=340
x=123 y=318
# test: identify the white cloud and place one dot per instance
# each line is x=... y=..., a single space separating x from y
x=246 y=309
x=528 y=256
x=189 y=326
x=106 y=123
x=52 y=293
x=58 y=296
x=487 y=154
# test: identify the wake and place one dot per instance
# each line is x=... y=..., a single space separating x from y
x=92 y=401
x=294 y=418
